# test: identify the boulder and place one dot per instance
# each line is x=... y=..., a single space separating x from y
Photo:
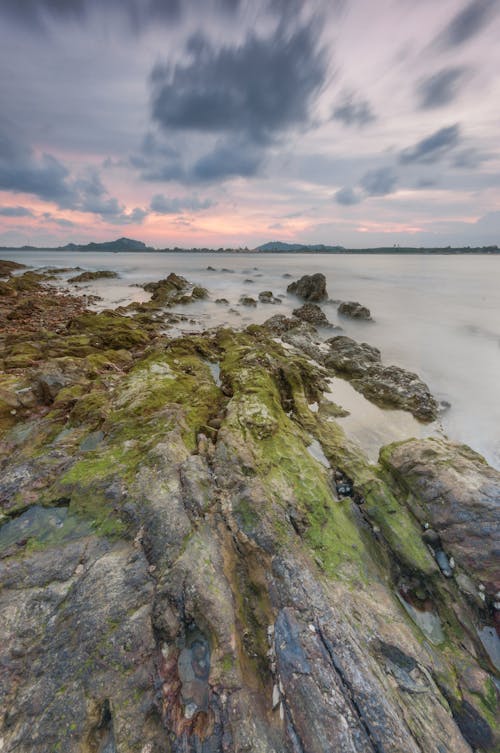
x=458 y=495
x=354 y=310
x=310 y=288
x=311 y=312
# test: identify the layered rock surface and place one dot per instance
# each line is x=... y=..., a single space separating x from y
x=179 y=572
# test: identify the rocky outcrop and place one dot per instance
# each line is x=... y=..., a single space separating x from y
x=354 y=310
x=102 y=274
x=172 y=290
x=7 y=267
x=266 y=296
x=310 y=288
x=457 y=496
x=361 y=364
x=311 y=312
x=192 y=559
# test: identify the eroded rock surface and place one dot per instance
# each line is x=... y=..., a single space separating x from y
x=310 y=288
x=181 y=573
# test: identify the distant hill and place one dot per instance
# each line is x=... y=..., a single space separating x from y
x=121 y=244
x=277 y=246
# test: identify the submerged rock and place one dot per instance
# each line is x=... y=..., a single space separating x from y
x=102 y=274
x=354 y=310
x=310 y=288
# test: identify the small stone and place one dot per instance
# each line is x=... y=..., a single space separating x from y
x=276 y=696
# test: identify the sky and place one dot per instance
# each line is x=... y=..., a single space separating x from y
x=233 y=122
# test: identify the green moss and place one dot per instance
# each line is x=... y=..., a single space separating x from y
x=110 y=330
x=399 y=528
x=91 y=409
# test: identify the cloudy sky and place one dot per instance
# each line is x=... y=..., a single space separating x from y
x=234 y=122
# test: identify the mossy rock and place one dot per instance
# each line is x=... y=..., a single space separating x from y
x=110 y=330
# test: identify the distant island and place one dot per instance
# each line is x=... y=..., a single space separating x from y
x=122 y=245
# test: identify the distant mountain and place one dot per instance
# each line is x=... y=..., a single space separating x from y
x=296 y=247
x=121 y=244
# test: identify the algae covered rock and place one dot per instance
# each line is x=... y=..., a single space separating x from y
x=458 y=494
x=384 y=385
x=192 y=559
x=310 y=288
x=7 y=267
x=102 y=274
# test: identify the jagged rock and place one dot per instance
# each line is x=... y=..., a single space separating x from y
x=311 y=312
x=384 y=385
x=310 y=288
x=458 y=493
x=279 y=323
x=192 y=581
x=354 y=310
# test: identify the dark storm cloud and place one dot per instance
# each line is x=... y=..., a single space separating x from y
x=21 y=171
x=347 y=197
x=379 y=182
x=15 y=212
x=432 y=147
x=259 y=88
x=441 y=88
x=138 y=14
x=467 y=23
x=228 y=159
x=351 y=111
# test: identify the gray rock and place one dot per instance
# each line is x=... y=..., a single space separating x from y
x=354 y=310
x=310 y=288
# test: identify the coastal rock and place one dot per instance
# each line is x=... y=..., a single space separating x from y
x=246 y=300
x=266 y=296
x=387 y=386
x=458 y=494
x=354 y=310
x=310 y=288
x=103 y=274
x=7 y=267
x=192 y=559
x=311 y=312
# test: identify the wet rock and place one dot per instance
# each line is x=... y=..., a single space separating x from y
x=279 y=323
x=247 y=300
x=311 y=312
x=7 y=267
x=354 y=310
x=102 y=274
x=222 y=300
x=458 y=494
x=310 y=288
x=388 y=386
x=266 y=296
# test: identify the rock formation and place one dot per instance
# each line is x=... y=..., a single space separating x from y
x=193 y=560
